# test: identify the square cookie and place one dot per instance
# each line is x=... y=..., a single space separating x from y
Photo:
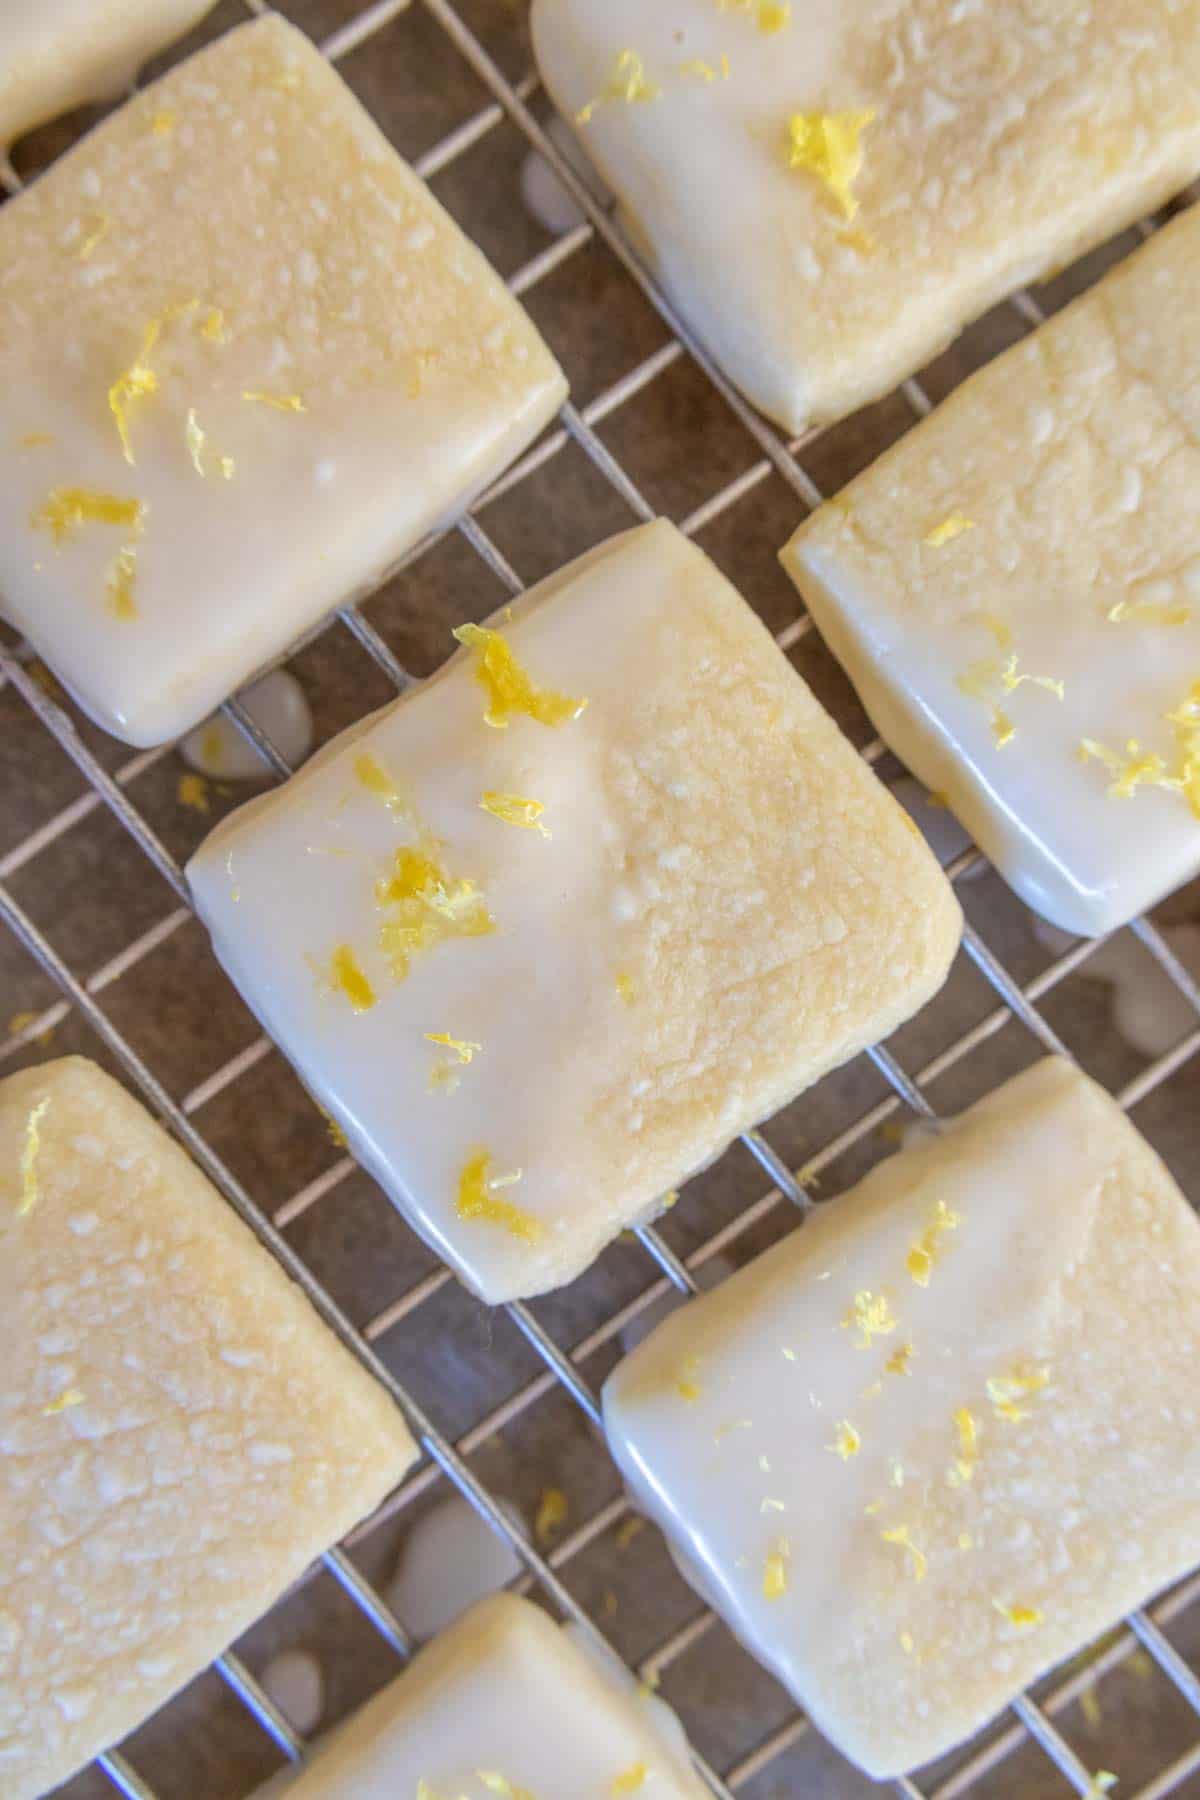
x=1014 y=590
x=547 y=933
x=504 y=1702
x=829 y=193
x=59 y=54
x=938 y=1439
x=246 y=361
x=180 y=1434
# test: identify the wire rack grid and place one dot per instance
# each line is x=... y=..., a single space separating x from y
x=446 y=1456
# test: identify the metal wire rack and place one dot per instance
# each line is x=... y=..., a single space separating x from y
x=448 y=1455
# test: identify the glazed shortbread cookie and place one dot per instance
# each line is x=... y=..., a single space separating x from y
x=503 y=1703
x=180 y=1435
x=546 y=934
x=218 y=419
x=830 y=190
x=1014 y=589
x=937 y=1440
x=58 y=54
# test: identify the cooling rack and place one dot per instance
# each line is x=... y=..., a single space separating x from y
x=1002 y=1011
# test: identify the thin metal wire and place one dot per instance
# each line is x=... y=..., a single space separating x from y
x=561 y=1368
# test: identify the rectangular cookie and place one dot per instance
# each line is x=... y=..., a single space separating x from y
x=938 y=1439
x=547 y=933
x=1014 y=590
x=180 y=1434
x=246 y=362
x=59 y=54
x=830 y=193
x=504 y=1702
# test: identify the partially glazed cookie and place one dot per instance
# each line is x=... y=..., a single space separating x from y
x=547 y=933
x=937 y=1440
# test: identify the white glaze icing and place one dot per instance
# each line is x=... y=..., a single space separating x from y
x=1075 y=458
x=338 y=370
x=279 y=706
x=504 y=1693
x=59 y=54
x=717 y=851
x=450 y=1558
x=1004 y=141
x=1071 y=1245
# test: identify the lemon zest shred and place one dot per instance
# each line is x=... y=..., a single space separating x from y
x=163 y=123
x=371 y=774
x=495 y=1783
x=213 y=326
x=630 y=1779
x=477 y=1199
x=902 y=1537
x=626 y=988
x=96 y=236
x=288 y=403
x=134 y=383
x=424 y=906
x=65 y=509
x=508 y=686
x=462 y=1047
x=925 y=1252
x=553 y=1510
x=628 y=82
x=29 y=1158
x=775 y=1571
x=1023 y=1617
x=847 y=1441
x=687 y=1387
x=1148 y=612
x=706 y=71
x=952 y=526
x=771 y=16
x=1142 y=768
x=872 y=1315
x=1103 y=1781
x=64 y=1402
x=828 y=145
x=1005 y=1391
x=515 y=809
x=348 y=978
x=193 y=792
x=897 y=1363
x=963 y=1468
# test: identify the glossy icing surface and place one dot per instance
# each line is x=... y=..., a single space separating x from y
x=718 y=903
x=59 y=54
x=996 y=143
x=936 y=1440
x=218 y=421
x=504 y=1703
x=180 y=1435
x=1061 y=483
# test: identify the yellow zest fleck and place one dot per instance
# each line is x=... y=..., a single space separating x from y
x=552 y=1511
x=896 y=1472
x=515 y=809
x=988 y=678
x=628 y=1531
x=426 y=907
x=846 y=1442
x=687 y=1387
x=828 y=146
x=98 y=232
x=899 y=1534
x=771 y=15
x=134 y=383
x=118 y=588
x=897 y=1363
x=872 y=1315
x=34 y=440
x=67 y=508
x=213 y=326
x=1102 y=1782
x=289 y=403
x=29 y=1158
x=500 y=1784
x=669 y=1200
x=477 y=1199
x=631 y=1779
x=193 y=792
x=706 y=71
x=628 y=82
x=968 y=1446
x=68 y=1398
x=925 y=1252
x=775 y=1571
x=370 y=773
x=626 y=989
x=349 y=979
x=1005 y=1391
x=906 y=1642
x=462 y=1047
x=1023 y=1617
x=1148 y=612
x=771 y=1505
x=507 y=685
x=196 y=440
x=875 y=1507
x=21 y=1021
x=965 y=1540
x=336 y=1134
x=952 y=526
x=163 y=124
x=1140 y=768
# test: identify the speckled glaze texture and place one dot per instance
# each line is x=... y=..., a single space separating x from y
x=727 y=905
x=336 y=369
x=938 y=1440
x=179 y=1433
x=1003 y=141
x=1068 y=469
